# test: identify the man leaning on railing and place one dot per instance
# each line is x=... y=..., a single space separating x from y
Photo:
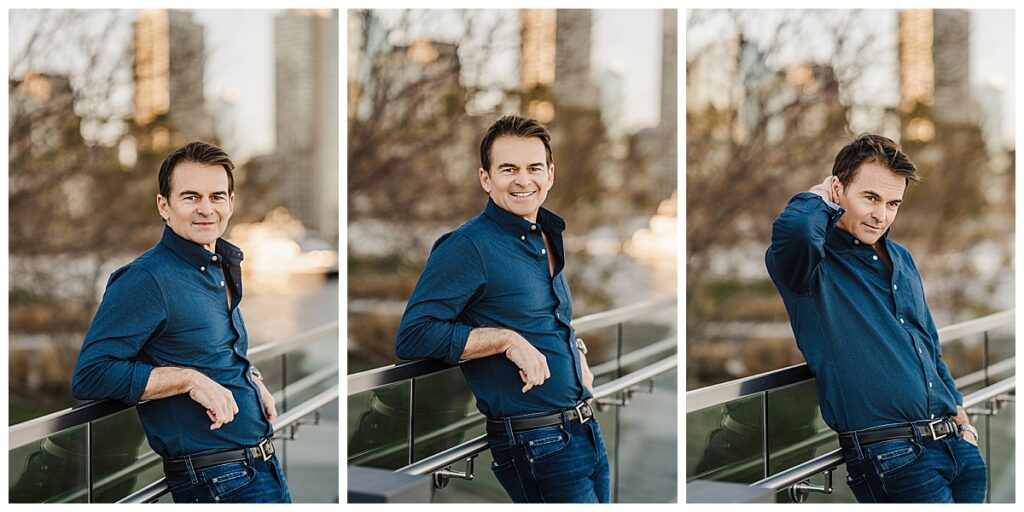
x=493 y=294
x=169 y=336
x=857 y=307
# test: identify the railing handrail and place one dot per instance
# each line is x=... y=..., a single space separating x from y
x=718 y=394
x=158 y=488
x=390 y=374
x=479 y=444
x=834 y=458
x=33 y=430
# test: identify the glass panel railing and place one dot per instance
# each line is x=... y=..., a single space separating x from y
x=445 y=414
x=445 y=419
x=725 y=442
x=107 y=458
x=644 y=440
x=310 y=459
x=122 y=461
x=378 y=427
x=53 y=470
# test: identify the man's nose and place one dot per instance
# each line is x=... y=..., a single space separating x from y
x=522 y=179
x=205 y=207
x=879 y=213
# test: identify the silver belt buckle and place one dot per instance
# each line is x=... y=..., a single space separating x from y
x=266 y=448
x=579 y=412
x=931 y=426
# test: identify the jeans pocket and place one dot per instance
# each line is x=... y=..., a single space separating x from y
x=543 y=443
x=508 y=476
x=227 y=479
x=895 y=455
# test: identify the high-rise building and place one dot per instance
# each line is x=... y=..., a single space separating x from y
x=668 y=123
x=934 y=68
x=555 y=53
x=306 y=54
x=168 y=71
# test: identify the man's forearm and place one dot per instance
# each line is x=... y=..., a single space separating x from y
x=169 y=381
x=486 y=341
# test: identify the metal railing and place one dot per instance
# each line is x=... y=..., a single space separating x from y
x=439 y=464
x=797 y=478
x=39 y=429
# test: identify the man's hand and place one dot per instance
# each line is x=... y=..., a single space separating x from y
x=588 y=376
x=533 y=367
x=269 y=404
x=824 y=189
x=962 y=418
x=219 y=403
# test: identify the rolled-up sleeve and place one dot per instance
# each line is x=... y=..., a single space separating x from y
x=132 y=312
x=798 y=240
x=454 y=278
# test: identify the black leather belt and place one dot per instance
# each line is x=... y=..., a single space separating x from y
x=935 y=429
x=581 y=413
x=262 y=451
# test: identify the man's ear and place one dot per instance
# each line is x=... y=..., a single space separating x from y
x=485 y=180
x=162 y=207
x=836 y=187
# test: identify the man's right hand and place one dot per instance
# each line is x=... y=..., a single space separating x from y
x=533 y=367
x=219 y=403
x=824 y=189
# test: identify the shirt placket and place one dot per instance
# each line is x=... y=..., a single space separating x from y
x=904 y=303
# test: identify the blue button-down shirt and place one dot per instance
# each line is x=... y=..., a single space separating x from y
x=493 y=272
x=169 y=307
x=866 y=333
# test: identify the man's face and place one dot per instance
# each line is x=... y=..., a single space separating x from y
x=871 y=201
x=519 y=177
x=200 y=206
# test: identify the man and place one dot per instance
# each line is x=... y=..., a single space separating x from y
x=857 y=307
x=493 y=294
x=169 y=337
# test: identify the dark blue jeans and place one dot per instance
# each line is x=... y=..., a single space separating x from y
x=917 y=470
x=252 y=481
x=565 y=463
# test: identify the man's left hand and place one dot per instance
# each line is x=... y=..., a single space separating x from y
x=269 y=404
x=962 y=418
x=588 y=376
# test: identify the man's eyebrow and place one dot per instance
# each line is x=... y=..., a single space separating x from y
x=194 y=193
x=876 y=194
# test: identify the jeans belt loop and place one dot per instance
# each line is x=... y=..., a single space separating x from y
x=508 y=430
x=193 y=478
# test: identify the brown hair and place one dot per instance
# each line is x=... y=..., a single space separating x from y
x=513 y=125
x=877 y=149
x=196 y=152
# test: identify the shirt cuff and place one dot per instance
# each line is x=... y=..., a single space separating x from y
x=460 y=336
x=140 y=378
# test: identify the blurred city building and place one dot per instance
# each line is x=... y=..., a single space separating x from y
x=306 y=107
x=934 y=70
x=169 y=71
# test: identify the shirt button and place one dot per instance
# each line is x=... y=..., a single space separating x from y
x=856 y=242
x=222 y=283
x=894 y=287
x=901 y=320
x=919 y=350
x=523 y=237
x=202 y=269
x=875 y=257
x=558 y=316
x=214 y=257
x=933 y=416
x=543 y=251
x=929 y=384
x=533 y=227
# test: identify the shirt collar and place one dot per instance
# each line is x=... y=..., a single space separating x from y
x=839 y=238
x=197 y=255
x=518 y=225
